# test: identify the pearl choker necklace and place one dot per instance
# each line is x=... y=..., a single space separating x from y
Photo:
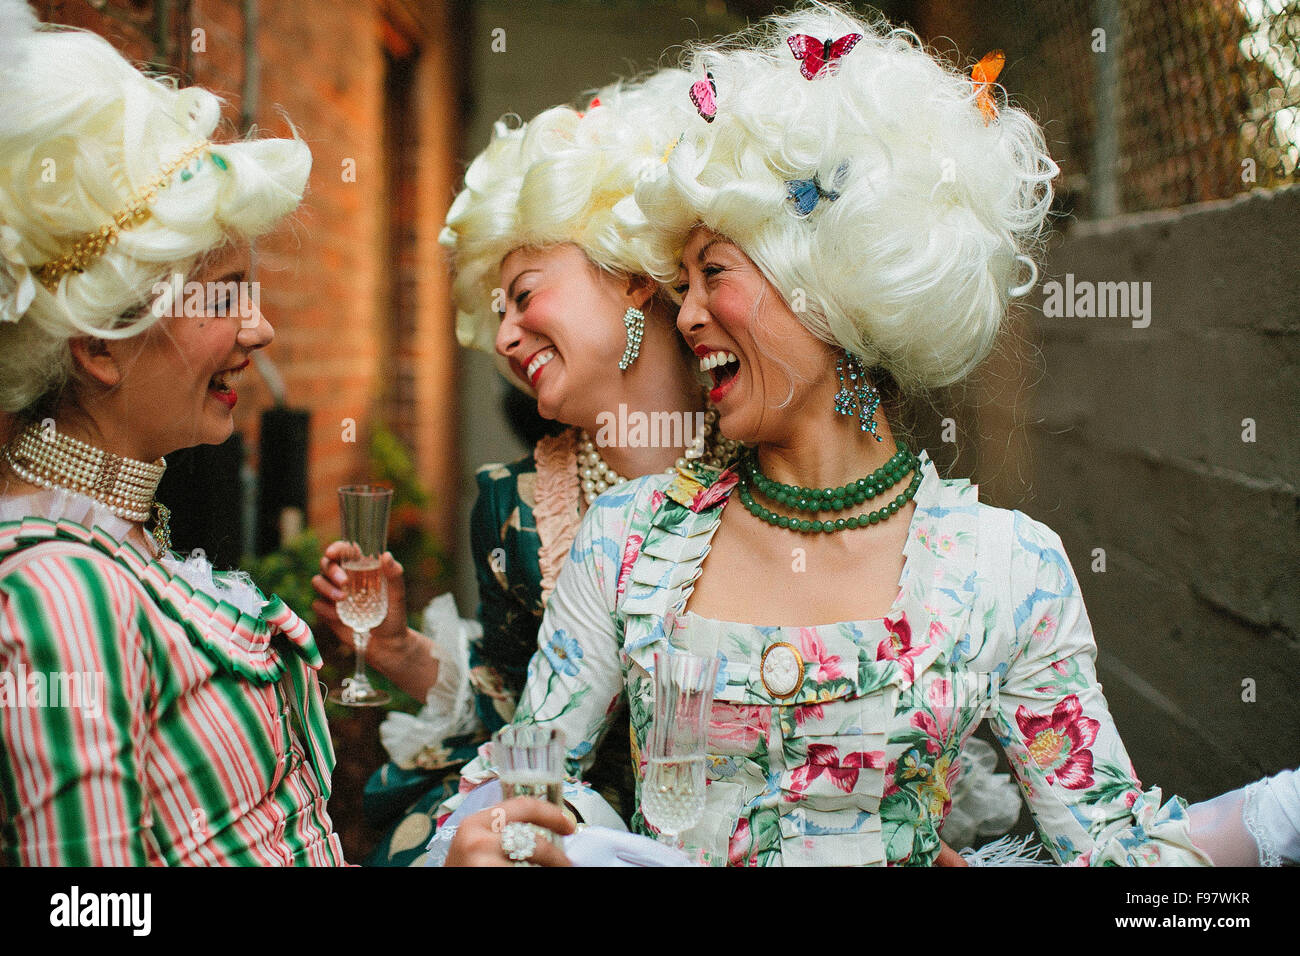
x=709 y=448
x=122 y=485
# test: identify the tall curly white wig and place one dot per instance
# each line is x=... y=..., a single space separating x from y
x=911 y=264
x=83 y=134
x=564 y=177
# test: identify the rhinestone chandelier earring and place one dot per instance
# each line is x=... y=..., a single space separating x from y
x=634 y=321
x=857 y=396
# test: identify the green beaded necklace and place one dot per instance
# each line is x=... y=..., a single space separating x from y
x=845 y=496
x=817 y=499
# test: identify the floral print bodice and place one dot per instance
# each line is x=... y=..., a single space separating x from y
x=844 y=750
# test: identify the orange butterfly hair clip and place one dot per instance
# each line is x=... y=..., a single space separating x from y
x=983 y=75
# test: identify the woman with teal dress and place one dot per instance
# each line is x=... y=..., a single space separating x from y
x=550 y=288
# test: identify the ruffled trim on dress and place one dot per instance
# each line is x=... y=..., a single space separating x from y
x=424 y=740
x=1156 y=834
x=236 y=587
x=233 y=640
x=556 y=512
x=56 y=504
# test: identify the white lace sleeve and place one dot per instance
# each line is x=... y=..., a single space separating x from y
x=1256 y=825
x=448 y=710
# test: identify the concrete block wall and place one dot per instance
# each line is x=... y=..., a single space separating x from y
x=1136 y=448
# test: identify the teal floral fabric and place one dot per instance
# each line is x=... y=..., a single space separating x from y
x=505 y=543
x=857 y=765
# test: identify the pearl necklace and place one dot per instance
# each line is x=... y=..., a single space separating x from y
x=54 y=460
x=707 y=447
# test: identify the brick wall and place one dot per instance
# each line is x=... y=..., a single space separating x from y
x=323 y=276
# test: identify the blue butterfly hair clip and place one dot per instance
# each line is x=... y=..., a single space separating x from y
x=807 y=193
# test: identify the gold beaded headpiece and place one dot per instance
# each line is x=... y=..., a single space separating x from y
x=93 y=245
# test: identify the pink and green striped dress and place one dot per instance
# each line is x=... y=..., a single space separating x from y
x=205 y=742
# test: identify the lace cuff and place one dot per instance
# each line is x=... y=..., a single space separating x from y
x=417 y=741
x=1255 y=825
x=1271 y=813
x=451 y=635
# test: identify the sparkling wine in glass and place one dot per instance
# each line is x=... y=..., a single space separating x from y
x=364 y=509
x=672 y=797
x=530 y=762
x=673 y=792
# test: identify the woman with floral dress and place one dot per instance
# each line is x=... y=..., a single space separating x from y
x=847 y=221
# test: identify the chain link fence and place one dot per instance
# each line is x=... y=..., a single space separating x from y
x=1153 y=104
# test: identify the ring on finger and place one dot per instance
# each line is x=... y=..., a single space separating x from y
x=518 y=842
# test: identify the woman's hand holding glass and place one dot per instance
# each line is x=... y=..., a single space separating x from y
x=403 y=655
x=389 y=640
x=364 y=510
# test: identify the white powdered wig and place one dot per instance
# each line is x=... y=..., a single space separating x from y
x=911 y=266
x=564 y=177
x=83 y=133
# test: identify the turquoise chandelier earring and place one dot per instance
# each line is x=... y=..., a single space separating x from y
x=857 y=396
x=634 y=320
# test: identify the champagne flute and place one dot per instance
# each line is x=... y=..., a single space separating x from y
x=365 y=605
x=530 y=762
x=672 y=794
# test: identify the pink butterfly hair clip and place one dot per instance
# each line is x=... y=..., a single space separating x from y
x=818 y=57
x=704 y=95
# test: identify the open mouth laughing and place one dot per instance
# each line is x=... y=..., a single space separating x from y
x=222 y=385
x=533 y=370
x=722 y=366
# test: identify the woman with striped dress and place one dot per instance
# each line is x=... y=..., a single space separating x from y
x=152 y=711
